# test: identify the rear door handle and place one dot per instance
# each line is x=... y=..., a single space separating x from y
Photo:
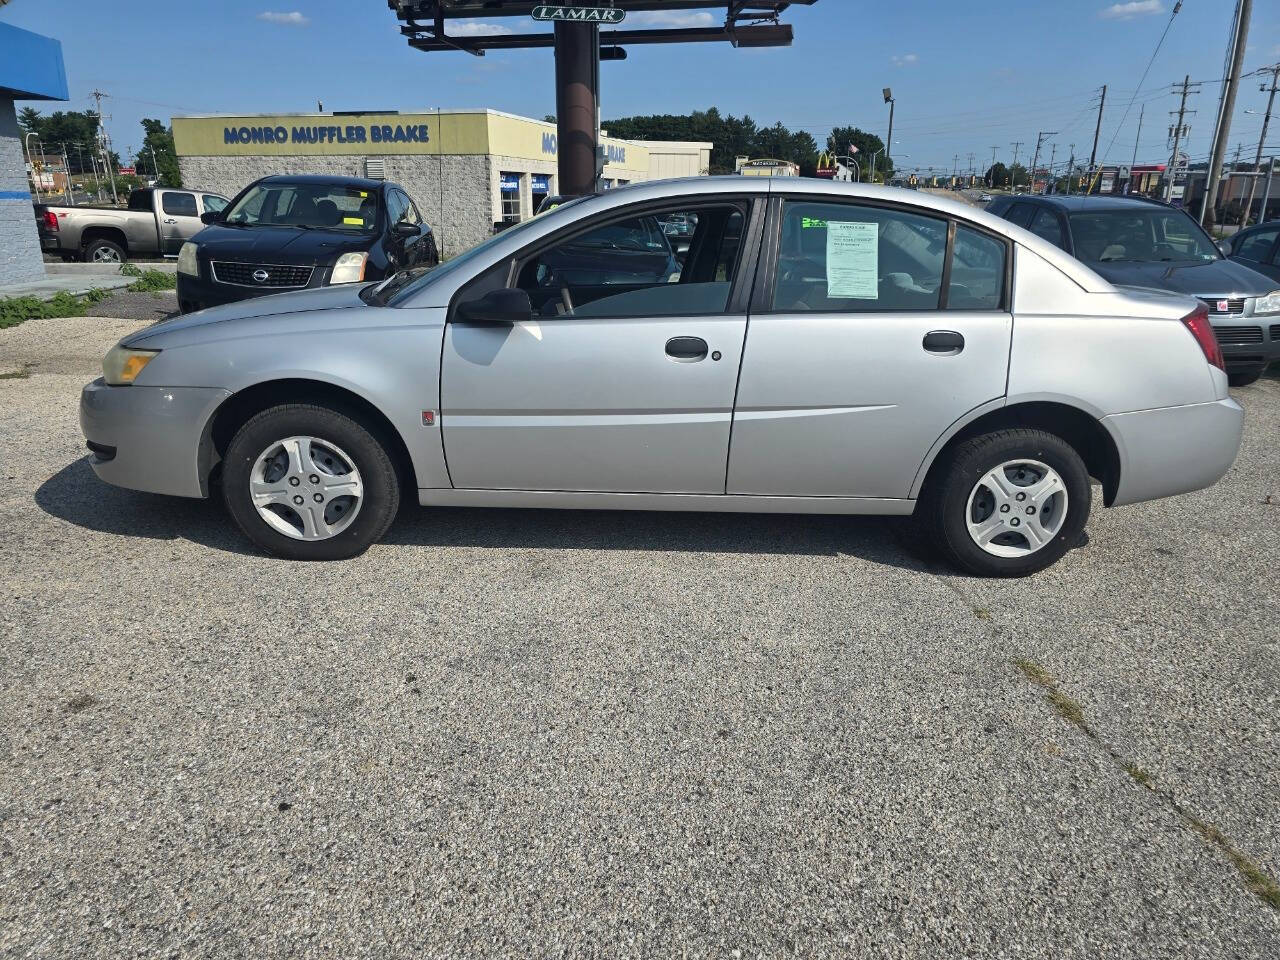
x=171 y=220
x=687 y=349
x=943 y=341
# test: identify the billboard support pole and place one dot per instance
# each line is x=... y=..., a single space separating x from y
x=577 y=99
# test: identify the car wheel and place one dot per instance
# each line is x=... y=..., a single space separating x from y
x=309 y=483
x=1243 y=379
x=104 y=251
x=1008 y=503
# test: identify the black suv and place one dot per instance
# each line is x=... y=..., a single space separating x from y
x=1136 y=242
x=286 y=233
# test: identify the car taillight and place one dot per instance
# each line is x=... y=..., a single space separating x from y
x=50 y=220
x=1197 y=321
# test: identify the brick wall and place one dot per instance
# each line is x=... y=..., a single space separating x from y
x=455 y=194
x=20 y=258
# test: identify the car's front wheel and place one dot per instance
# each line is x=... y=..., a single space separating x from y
x=308 y=482
x=1242 y=378
x=1008 y=503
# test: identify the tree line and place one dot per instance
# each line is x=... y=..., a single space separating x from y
x=731 y=137
x=76 y=132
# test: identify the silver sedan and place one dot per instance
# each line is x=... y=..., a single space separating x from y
x=800 y=347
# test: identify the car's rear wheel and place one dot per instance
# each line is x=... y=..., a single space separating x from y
x=1008 y=503
x=309 y=483
x=104 y=251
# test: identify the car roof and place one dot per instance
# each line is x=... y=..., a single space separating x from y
x=328 y=180
x=1078 y=203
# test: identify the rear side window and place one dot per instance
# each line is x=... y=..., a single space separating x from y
x=1045 y=224
x=213 y=204
x=858 y=259
x=140 y=200
x=179 y=204
x=1257 y=245
x=977 y=271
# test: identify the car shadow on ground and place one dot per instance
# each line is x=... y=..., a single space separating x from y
x=74 y=494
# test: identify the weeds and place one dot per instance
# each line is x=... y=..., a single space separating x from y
x=148 y=280
x=16 y=310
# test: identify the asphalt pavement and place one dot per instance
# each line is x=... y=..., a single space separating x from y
x=527 y=734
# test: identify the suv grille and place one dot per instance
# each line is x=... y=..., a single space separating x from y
x=1275 y=332
x=1235 y=305
x=277 y=275
x=1238 y=334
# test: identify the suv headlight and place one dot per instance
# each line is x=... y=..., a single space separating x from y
x=349 y=268
x=187 y=260
x=1268 y=304
x=121 y=366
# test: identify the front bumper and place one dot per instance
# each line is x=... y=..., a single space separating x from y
x=1247 y=341
x=150 y=438
x=1173 y=450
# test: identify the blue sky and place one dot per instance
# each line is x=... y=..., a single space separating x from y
x=964 y=81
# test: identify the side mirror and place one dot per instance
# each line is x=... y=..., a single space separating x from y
x=405 y=229
x=211 y=216
x=497 y=306
x=1224 y=247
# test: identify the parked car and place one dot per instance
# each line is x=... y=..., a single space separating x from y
x=295 y=232
x=1258 y=248
x=1138 y=242
x=985 y=197
x=156 y=223
x=906 y=354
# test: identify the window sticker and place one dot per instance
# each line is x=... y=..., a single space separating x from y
x=354 y=221
x=853 y=254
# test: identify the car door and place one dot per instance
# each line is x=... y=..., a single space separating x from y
x=179 y=220
x=874 y=327
x=394 y=244
x=1259 y=250
x=624 y=379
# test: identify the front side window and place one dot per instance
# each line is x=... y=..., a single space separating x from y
x=858 y=259
x=306 y=205
x=1257 y=245
x=179 y=204
x=1140 y=235
x=397 y=206
x=630 y=268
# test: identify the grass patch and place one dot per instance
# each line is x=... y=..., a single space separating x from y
x=1140 y=776
x=16 y=310
x=1257 y=881
x=22 y=373
x=149 y=280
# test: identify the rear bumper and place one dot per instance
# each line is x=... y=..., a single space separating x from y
x=149 y=438
x=1174 y=450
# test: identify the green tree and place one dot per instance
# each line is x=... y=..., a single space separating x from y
x=29 y=120
x=867 y=145
x=158 y=154
x=997 y=175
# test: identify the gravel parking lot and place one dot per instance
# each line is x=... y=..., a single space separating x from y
x=512 y=733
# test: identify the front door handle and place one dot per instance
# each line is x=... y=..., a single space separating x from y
x=171 y=220
x=943 y=341
x=687 y=349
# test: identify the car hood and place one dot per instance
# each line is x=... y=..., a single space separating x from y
x=1200 y=278
x=320 y=298
x=278 y=244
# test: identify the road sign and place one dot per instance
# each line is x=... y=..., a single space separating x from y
x=579 y=14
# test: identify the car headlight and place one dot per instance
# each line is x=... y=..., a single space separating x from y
x=121 y=365
x=187 y=260
x=1268 y=304
x=349 y=268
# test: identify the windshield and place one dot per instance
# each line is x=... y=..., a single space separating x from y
x=398 y=288
x=307 y=206
x=1157 y=235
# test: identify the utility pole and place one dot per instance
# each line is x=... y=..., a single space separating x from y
x=1262 y=138
x=991 y=180
x=1178 y=132
x=102 y=144
x=1051 y=184
x=1235 y=57
x=1016 y=144
x=1036 y=160
x=1134 y=162
x=1093 y=154
x=1071 y=165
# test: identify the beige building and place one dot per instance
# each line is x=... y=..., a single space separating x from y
x=466 y=170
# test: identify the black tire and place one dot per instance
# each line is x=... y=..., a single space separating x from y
x=1243 y=379
x=100 y=244
x=378 y=506
x=942 y=508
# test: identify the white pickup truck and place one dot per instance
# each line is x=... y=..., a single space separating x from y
x=157 y=221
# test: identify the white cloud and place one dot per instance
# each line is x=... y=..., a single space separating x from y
x=671 y=19
x=904 y=59
x=293 y=19
x=1134 y=8
x=476 y=28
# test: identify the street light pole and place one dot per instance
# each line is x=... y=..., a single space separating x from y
x=888 y=98
x=1262 y=138
x=35 y=174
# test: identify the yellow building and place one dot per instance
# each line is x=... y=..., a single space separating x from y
x=467 y=170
